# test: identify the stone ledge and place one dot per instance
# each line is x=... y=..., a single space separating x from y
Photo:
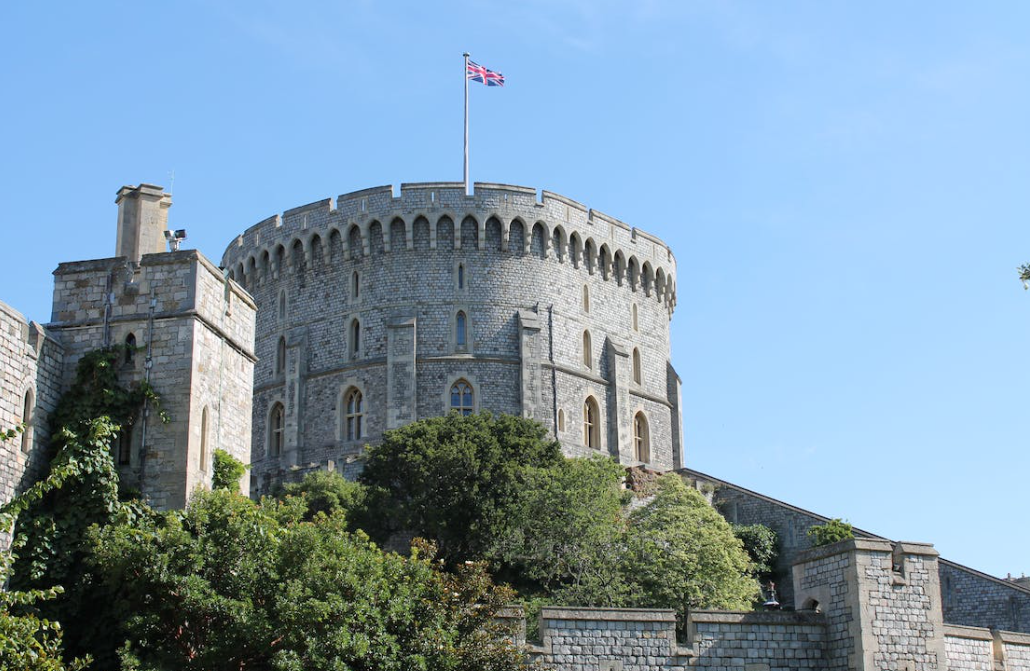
x=1014 y=637
x=608 y=614
x=962 y=631
x=757 y=617
x=842 y=547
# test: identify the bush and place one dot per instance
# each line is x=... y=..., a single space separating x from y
x=227 y=472
x=833 y=531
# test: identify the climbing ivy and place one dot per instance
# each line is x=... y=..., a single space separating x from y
x=51 y=541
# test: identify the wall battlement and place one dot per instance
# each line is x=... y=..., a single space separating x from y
x=376 y=220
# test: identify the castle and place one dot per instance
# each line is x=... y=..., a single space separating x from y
x=338 y=320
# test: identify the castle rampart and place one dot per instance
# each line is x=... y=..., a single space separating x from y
x=425 y=300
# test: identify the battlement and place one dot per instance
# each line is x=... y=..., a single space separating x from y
x=381 y=219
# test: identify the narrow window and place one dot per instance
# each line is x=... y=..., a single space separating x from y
x=280 y=356
x=634 y=311
x=282 y=305
x=561 y=421
x=586 y=298
x=355 y=338
x=641 y=439
x=125 y=446
x=27 y=420
x=461 y=397
x=276 y=427
x=460 y=331
x=591 y=425
x=461 y=276
x=353 y=414
x=636 y=366
x=203 y=440
x=586 y=349
x=130 y=349
x=355 y=286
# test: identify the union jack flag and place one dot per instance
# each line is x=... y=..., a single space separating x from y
x=478 y=73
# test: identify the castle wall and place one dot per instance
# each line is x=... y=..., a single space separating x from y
x=31 y=361
x=771 y=641
x=979 y=600
x=515 y=267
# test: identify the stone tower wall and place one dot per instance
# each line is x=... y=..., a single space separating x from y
x=195 y=328
x=525 y=263
x=31 y=361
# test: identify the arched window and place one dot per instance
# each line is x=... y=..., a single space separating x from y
x=125 y=446
x=587 y=358
x=462 y=398
x=561 y=421
x=280 y=356
x=355 y=338
x=27 y=419
x=130 y=349
x=461 y=331
x=641 y=438
x=633 y=310
x=355 y=286
x=591 y=423
x=461 y=276
x=203 y=440
x=637 y=376
x=276 y=430
x=353 y=414
x=282 y=305
x=586 y=298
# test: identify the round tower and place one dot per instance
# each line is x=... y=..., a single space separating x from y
x=383 y=308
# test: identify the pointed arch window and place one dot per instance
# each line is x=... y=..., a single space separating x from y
x=27 y=418
x=125 y=446
x=641 y=438
x=354 y=414
x=591 y=423
x=461 y=276
x=586 y=298
x=461 y=330
x=355 y=285
x=355 y=338
x=204 y=440
x=462 y=397
x=280 y=356
x=637 y=375
x=130 y=349
x=276 y=430
x=587 y=358
x=561 y=421
x=633 y=310
x=282 y=305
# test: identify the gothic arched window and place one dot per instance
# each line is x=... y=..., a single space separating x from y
x=461 y=331
x=462 y=398
x=641 y=438
x=461 y=276
x=587 y=358
x=637 y=375
x=354 y=413
x=130 y=349
x=586 y=298
x=280 y=356
x=276 y=430
x=591 y=423
x=27 y=419
x=355 y=338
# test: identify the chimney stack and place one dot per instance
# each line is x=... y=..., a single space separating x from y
x=142 y=220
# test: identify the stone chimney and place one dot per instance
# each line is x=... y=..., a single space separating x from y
x=142 y=220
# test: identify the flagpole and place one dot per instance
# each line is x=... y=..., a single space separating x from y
x=466 y=77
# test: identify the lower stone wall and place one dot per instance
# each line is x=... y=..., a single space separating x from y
x=975 y=599
x=968 y=648
x=1015 y=650
x=758 y=641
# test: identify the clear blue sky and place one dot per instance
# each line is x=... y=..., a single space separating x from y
x=845 y=186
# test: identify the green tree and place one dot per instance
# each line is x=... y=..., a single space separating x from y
x=564 y=533
x=448 y=479
x=326 y=492
x=833 y=531
x=230 y=584
x=683 y=554
x=762 y=546
x=227 y=471
x=1024 y=275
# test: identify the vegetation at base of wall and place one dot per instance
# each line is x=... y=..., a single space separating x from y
x=763 y=547
x=28 y=641
x=227 y=471
x=230 y=583
x=50 y=544
x=832 y=532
